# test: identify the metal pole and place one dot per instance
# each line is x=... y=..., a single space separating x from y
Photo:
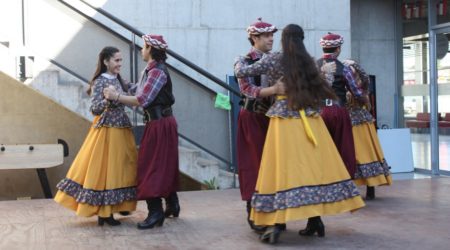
x=399 y=118
x=23 y=23
x=434 y=137
x=133 y=71
x=132 y=48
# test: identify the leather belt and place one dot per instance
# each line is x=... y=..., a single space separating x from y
x=331 y=102
x=255 y=106
x=156 y=113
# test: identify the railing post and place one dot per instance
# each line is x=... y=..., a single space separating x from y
x=234 y=99
x=133 y=70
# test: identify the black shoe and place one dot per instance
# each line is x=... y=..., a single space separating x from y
x=271 y=235
x=155 y=215
x=156 y=219
x=109 y=220
x=314 y=225
x=124 y=213
x=258 y=229
x=172 y=206
x=370 y=193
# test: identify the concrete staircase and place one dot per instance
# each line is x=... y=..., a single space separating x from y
x=205 y=170
x=64 y=89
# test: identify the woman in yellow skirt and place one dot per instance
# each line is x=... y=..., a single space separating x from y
x=102 y=178
x=371 y=166
x=302 y=174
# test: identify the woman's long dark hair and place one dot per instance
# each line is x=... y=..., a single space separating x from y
x=105 y=54
x=305 y=86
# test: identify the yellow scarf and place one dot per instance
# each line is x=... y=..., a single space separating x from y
x=308 y=129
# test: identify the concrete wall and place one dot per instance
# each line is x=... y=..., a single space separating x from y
x=10 y=35
x=212 y=33
x=29 y=117
x=73 y=41
x=374 y=46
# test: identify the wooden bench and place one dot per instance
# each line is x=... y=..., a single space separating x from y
x=33 y=156
x=445 y=123
x=422 y=121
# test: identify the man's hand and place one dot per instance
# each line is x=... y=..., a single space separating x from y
x=280 y=87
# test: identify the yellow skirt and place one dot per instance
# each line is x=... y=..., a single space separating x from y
x=372 y=169
x=298 y=180
x=102 y=178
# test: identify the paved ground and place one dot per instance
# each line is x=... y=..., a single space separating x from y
x=411 y=214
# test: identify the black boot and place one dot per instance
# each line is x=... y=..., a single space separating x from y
x=272 y=234
x=314 y=225
x=370 y=193
x=109 y=220
x=155 y=214
x=258 y=229
x=172 y=205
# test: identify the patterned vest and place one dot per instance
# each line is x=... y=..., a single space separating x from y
x=165 y=96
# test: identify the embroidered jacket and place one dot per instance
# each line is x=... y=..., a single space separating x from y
x=112 y=113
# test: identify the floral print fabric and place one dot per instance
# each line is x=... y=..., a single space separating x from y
x=96 y=197
x=280 y=109
x=359 y=115
x=376 y=168
x=304 y=196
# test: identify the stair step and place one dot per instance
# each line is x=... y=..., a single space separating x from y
x=206 y=162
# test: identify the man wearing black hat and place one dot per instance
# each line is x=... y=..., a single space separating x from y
x=334 y=114
x=252 y=122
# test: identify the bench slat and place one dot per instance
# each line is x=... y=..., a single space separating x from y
x=21 y=157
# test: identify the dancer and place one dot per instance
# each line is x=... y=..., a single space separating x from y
x=301 y=174
x=371 y=166
x=158 y=170
x=335 y=114
x=252 y=122
x=102 y=178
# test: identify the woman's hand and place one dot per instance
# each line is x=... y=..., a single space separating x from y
x=110 y=93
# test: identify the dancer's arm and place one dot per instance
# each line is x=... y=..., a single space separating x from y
x=249 y=89
x=98 y=102
x=258 y=68
x=111 y=94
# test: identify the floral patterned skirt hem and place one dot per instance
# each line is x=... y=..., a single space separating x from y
x=86 y=210
x=96 y=197
x=304 y=212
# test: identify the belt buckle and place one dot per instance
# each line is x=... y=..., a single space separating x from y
x=328 y=102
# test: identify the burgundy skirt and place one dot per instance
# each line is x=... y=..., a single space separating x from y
x=337 y=120
x=251 y=134
x=158 y=173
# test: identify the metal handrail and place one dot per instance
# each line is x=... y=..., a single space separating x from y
x=68 y=70
x=206 y=150
x=120 y=36
x=170 y=52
